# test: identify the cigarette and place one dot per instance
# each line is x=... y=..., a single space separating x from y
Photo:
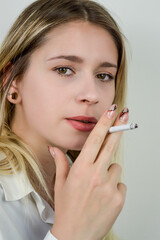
x=126 y=127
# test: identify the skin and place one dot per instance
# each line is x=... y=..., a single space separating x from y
x=45 y=99
x=54 y=97
x=92 y=182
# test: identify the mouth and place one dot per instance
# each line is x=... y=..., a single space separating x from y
x=81 y=121
x=81 y=125
x=84 y=119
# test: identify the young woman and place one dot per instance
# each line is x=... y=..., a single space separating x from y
x=63 y=78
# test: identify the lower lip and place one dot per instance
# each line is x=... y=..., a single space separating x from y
x=85 y=127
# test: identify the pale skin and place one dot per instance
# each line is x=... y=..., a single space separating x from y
x=46 y=96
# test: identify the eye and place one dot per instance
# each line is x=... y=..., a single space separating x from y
x=105 y=77
x=64 y=71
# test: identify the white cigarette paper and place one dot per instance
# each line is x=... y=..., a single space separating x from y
x=126 y=127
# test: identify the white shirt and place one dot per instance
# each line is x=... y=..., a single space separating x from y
x=24 y=215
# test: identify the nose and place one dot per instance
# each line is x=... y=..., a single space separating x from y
x=88 y=92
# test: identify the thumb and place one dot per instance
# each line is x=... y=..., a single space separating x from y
x=62 y=166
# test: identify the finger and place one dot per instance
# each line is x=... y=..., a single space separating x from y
x=97 y=136
x=62 y=168
x=121 y=195
x=114 y=174
x=111 y=143
x=122 y=189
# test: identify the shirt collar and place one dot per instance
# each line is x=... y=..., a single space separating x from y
x=15 y=186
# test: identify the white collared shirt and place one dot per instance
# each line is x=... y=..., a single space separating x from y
x=24 y=215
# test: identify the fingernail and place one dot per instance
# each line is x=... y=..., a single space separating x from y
x=111 y=111
x=50 y=149
x=124 y=115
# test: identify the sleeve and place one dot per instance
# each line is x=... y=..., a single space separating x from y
x=50 y=236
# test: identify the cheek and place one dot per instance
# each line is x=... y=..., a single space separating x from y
x=109 y=94
x=107 y=97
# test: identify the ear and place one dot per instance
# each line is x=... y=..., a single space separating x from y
x=14 y=95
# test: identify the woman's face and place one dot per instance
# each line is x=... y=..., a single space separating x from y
x=72 y=74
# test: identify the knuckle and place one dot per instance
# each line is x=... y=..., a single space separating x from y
x=116 y=167
x=120 y=196
x=96 y=181
x=123 y=188
x=78 y=172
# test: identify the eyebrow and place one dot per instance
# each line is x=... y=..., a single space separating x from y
x=80 y=60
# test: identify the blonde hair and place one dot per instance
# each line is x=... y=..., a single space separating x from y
x=27 y=34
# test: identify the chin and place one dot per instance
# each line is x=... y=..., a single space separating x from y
x=74 y=143
x=75 y=147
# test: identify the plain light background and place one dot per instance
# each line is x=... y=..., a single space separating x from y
x=140 y=22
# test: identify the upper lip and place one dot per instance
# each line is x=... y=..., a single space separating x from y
x=84 y=118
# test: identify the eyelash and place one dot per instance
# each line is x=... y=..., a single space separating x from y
x=68 y=68
x=62 y=74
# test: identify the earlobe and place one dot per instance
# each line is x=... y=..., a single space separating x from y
x=13 y=95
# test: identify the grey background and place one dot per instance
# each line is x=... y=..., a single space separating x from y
x=140 y=21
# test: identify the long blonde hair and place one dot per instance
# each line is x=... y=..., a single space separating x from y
x=27 y=34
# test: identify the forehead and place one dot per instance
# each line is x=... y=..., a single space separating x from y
x=80 y=38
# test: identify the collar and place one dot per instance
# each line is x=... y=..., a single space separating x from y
x=15 y=186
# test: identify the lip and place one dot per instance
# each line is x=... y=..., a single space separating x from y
x=85 y=127
x=83 y=118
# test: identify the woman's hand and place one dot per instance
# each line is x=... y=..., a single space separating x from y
x=89 y=197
